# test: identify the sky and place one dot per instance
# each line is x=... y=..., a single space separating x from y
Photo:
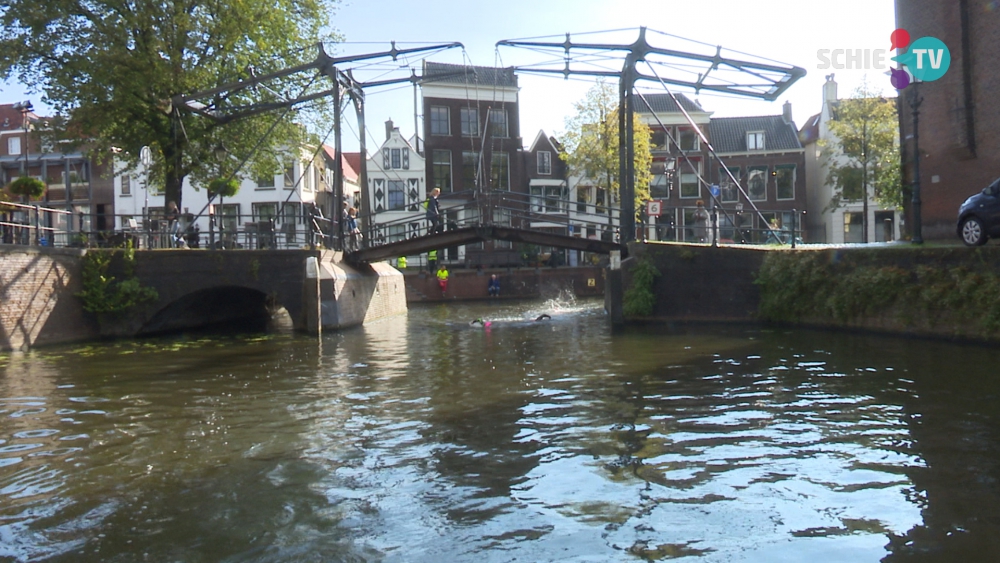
x=788 y=31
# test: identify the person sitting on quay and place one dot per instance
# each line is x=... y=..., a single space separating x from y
x=493 y=288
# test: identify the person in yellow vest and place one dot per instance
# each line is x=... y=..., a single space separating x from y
x=432 y=260
x=442 y=276
x=401 y=262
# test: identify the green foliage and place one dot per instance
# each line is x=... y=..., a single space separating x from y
x=105 y=293
x=115 y=66
x=591 y=144
x=865 y=155
x=5 y=198
x=639 y=299
x=223 y=187
x=28 y=186
x=807 y=287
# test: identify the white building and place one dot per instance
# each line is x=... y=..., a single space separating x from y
x=843 y=224
x=397 y=187
x=243 y=220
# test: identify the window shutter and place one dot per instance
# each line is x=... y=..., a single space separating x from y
x=385 y=159
x=406 y=159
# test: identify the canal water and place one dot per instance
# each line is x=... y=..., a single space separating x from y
x=422 y=438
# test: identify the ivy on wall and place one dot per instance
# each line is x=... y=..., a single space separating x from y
x=639 y=299
x=106 y=293
x=809 y=287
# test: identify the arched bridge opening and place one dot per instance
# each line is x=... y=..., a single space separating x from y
x=224 y=308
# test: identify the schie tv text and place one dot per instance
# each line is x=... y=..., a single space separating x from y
x=852 y=59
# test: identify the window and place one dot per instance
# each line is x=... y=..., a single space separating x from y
x=397 y=194
x=264 y=211
x=470 y=169
x=757 y=183
x=851 y=184
x=13 y=146
x=690 y=185
x=265 y=182
x=441 y=170
x=126 y=185
x=658 y=140
x=688 y=140
x=584 y=195
x=470 y=121
x=755 y=141
x=396 y=160
x=853 y=227
x=290 y=214
x=230 y=216
x=544 y=162
x=730 y=191
x=396 y=233
x=663 y=179
x=498 y=122
x=500 y=171
x=547 y=199
x=289 y=177
x=440 y=124
x=784 y=180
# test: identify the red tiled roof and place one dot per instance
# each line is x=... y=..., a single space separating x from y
x=352 y=162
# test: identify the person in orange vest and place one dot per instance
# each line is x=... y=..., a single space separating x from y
x=442 y=276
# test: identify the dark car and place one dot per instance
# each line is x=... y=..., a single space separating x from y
x=979 y=216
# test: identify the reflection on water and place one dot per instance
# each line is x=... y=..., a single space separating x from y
x=422 y=438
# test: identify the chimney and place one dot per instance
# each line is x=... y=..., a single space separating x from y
x=829 y=90
x=786 y=112
x=388 y=129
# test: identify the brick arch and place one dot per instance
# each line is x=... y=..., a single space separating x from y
x=241 y=306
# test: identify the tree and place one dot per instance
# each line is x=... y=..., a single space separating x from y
x=112 y=67
x=865 y=155
x=591 y=143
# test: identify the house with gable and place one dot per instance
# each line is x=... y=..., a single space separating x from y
x=397 y=187
x=763 y=155
x=843 y=223
x=679 y=159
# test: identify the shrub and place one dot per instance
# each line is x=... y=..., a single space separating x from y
x=639 y=299
x=28 y=186
x=223 y=187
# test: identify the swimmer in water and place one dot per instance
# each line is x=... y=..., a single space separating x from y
x=479 y=322
x=543 y=317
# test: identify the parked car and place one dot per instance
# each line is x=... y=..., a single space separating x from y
x=979 y=216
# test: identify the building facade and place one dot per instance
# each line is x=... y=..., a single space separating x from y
x=397 y=188
x=833 y=219
x=958 y=141
x=75 y=181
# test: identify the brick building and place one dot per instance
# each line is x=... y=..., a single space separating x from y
x=75 y=181
x=959 y=121
x=763 y=153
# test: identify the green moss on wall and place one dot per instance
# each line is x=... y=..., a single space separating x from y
x=639 y=299
x=957 y=297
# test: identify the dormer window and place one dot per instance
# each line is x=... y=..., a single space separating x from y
x=755 y=141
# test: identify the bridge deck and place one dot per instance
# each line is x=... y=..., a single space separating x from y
x=469 y=235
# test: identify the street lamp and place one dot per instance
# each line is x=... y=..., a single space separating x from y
x=25 y=108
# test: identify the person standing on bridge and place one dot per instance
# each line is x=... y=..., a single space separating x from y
x=354 y=244
x=700 y=222
x=442 y=276
x=434 y=224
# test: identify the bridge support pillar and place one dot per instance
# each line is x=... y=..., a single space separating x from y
x=613 y=295
x=311 y=301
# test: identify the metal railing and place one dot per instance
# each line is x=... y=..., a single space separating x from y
x=43 y=226
x=38 y=225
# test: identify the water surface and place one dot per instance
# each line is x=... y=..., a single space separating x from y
x=421 y=438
